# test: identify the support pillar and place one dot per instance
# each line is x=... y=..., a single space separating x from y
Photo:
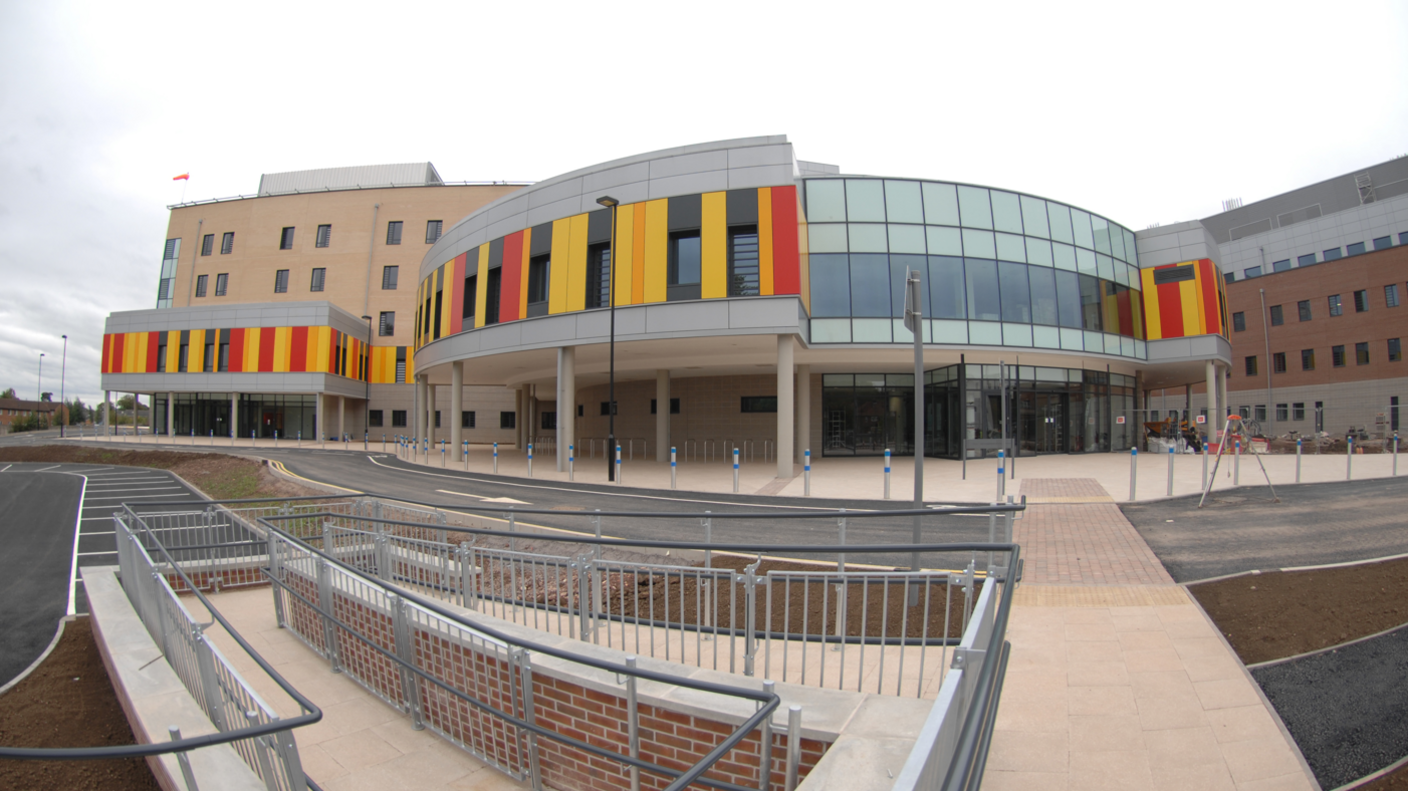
x=341 y=417
x=456 y=407
x=234 y=415
x=170 y=415
x=786 y=414
x=1210 y=372
x=430 y=411
x=317 y=416
x=566 y=402
x=107 y=413
x=519 y=400
x=804 y=412
x=1224 y=401
x=418 y=413
x=662 y=416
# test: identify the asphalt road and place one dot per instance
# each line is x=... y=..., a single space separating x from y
x=1242 y=530
x=37 y=512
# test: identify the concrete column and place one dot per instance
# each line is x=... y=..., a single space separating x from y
x=1223 y=400
x=418 y=414
x=566 y=402
x=662 y=415
x=107 y=413
x=530 y=426
x=1210 y=369
x=430 y=411
x=456 y=407
x=786 y=414
x=341 y=417
x=804 y=411
x=170 y=414
x=317 y=416
x=234 y=414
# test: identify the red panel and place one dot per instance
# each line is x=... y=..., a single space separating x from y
x=1126 y=313
x=786 y=270
x=457 y=290
x=118 y=341
x=153 y=341
x=237 y=350
x=298 y=355
x=1170 y=310
x=1207 y=279
x=266 y=349
x=107 y=354
x=513 y=272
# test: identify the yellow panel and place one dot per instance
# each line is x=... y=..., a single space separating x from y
x=141 y=350
x=657 y=243
x=765 y=241
x=638 y=254
x=1202 y=308
x=310 y=357
x=713 y=245
x=1188 y=297
x=324 y=353
x=577 y=263
x=1153 y=329
x=195 y=354
x=251 y=349
x=621 y=264
x=557 y=277
x=410 y=368
x=282 y=336
x=443 y=325
x=804 y=261
x=173 y=351
x=523 y=273
x=129 y=352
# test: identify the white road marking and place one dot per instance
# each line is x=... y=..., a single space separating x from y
x=77 y=528
x=91 y=554
x=156 y=488
x=7 y=466
x=143 y=497
x=46 y=469
x=482 y=498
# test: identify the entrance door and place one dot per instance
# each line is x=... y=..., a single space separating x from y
x=1051 y=422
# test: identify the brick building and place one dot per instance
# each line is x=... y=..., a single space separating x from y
x=12 y=409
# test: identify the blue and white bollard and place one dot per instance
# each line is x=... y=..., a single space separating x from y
x=1237 y=463
x=618 y=465
x=1133 y=471
x=1001 y=474
x=530 y=460
x=571 y=462
x=1298 y=444
x=496 y=458
x=1170 y=471
x=673 y=467
x=887 y=473
x=464 y=454
x=442 y=453
x=1349 y=459
x=807 y=473
x=735 y=470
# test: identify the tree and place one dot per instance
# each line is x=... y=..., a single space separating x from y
x=46 y=396
x=9 y=393
x=125 y=402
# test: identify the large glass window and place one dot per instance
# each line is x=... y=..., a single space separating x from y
x=1068 y=298
x=684 y=265
x=1016 y=293
x=826 y=200
x=1101 y=232
x=984 y=302
x=943 y=241
x=946 y=288
x=1043 y=290
x=1060 y=222
x=865 y=200
x=940 y=204
x=1090 y=303
x=1080 y=227
x=831 y=285
x=978 y=244
x=1034 y=217
x=1006 y=212
x=867 y=238
x=974 y=208
x=903 y=202
x=1064 y=256
x=870 y=294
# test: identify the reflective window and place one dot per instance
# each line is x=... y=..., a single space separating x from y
x=906 y=238
x=1043 y=289
x=1039 y=252
x=1102 y=234
x=1016 y=294
x=984 y=301
x=1105 y=267
x=1085 y=261
x=1065 y=256
x=1006 y=212
x=865 y=200
x=1068 y=298
x=899 y=268
x=1129 y=251
x=1011 y=248
x=940 y=204
x=831 y=285
x=974 y=208
x=867 y=237
x=870 y=293
x=903 y=202
x=944 y=241
x=1080 y=227
x=1060 y=222
x=826 y=200
x=1090 y=303
x=826 y=237
x=1034 y=217
x=946 y=288
x=978 y=244
x=1116 y=242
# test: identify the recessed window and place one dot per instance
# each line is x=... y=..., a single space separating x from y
x=185 y=356
x=598 y=283
x=1391 y=295
x=398 y=418
x=286 y=239
x=1361 y=301
x=604 y=411
x=200 y=284
x=1355 y=249
x=432 y=230
x=161 y=358
x=467 y=310
x=221 y=282
x=389 y=275
x=208 y=359
x=548 y=421
x=674 y=406
x=1305 y=260
x=1239 y=322
x=684 y=259
x=437 y=418
x=1337 y=356
x=320 y=275
x=1307 y=359
x=401 y=368
x=281 y=281
x=758 y=404
x=466 y=419
x=1383 y=242
x=1303 y=307
x=539 y=272
x=1244 y=411
x=743 y=270
x=493 y=291
x=1281 y=266
x=1298 y=411
x=1282 y=413
x=1277 y=319
x=387 y=327
x=1261 y=413
x=1278 y=362
x=1252 y=271
x=324 y=236
x=1251 y=365
x=227 y=245
x=1336 y=309
x=374 y=418
x=1333 y=254
x=393 y=232
x=1361 y=354
x=207 y=245
x=1395 y=350
x=508 y=420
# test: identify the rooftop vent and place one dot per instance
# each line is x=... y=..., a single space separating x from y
x=1231 y=203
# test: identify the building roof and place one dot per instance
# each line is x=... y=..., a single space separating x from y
x=419 y=174
x=28 y=406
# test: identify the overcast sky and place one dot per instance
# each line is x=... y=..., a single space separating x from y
x=1142 y=112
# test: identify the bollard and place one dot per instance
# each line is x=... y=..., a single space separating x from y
x=1170 y=471
x=672 y=467
x=1298 y=444
x=887 y=474
x=530 y=460
x=571 y=458
x=735 y=470
x=276 y=438
x=365 y=436
x=1001 y=474
x=1133 y=471
x=383 y=442
x=618 y=465
x=1237 y=464
x=1204 y=483
x=464 y=454
x=251 y=438
x=1349 y=459
x=300 y=439
x=1395 y=455
x=442 y=453
x=807 y=473
x=496 y=458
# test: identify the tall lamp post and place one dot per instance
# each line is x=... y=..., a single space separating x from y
x=611 y=203
x=63 y=374
x=39 y=388
x=367 y=375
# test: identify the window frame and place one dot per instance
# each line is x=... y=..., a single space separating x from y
x=392 y=274
x=286 y=238
x=1278 y=362
x=202 y=282
x=437 y=226
x=1337 y=358
x=222 y=284
x=318 y=280
x=386 y=324
x=1278 y=316
x=467 y=418
x=1391 y=295
x=281 y=281
x=376 y=418
x=1361 y=301
x=207 y=245
x=398 y=418
x=393 y=231
x=1239 y=321
x=1395 y=350
x=1303 y=310
x=324 y=236
x=227 y=243
x=1250 y=364
x=1336 y=305
x=1307 y=359
x=1361 y=353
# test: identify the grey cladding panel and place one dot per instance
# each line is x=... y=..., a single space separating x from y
x=689 y=164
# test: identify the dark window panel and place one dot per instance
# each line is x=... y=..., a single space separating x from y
x=1016 y=292
x=984 y=297
x=831 y=285
x=870 y=294
x=286 y=239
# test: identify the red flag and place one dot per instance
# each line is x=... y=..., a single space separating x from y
x=183 y=177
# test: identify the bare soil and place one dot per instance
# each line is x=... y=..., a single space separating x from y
x=1279 y=614
x=69 y=702
x=1397 y=781
x=220 y=476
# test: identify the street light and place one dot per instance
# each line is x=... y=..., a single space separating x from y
x=39 y=388
x=63 y=373
x=611 y=203
x=367 y=374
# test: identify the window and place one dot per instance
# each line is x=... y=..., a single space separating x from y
x=387 y=326
x=743 y=271
x=286 y=239
x=1252 y=271
x=1277 y=319
x=674 y=406
x=200 y=284
x=1281 y=266
x=221 y=281
x=548 y=420
x=1307 y=359
x=1391 y=295
x=758 y=404
x=1282 y=413
x=374 y=418
x=1278 y=362
x=1251 y=365
x=1335 y=308
x=467 y=312
x=227 y=245
x=603 y=408
x=1361 y=354
x=437 y=418
x=1403 y=238
x=324 y=239
x=1239 y=322
x=1305 y=260
x=1261 y=413
x=207 y=245
x=1332 y=254
x=281 y=281
x=1383 y=242
x=401 y=369
x=161 y=358
x=1231 y=277
x=224 y=364
x=184 y=358
x=598 y=276
x=1304 y=308
x=491 y=296
x=684 y=259
x=319 y=277
x=466 y=419
x=1355 y=249
x=432 y=230
x=1298 y=411
x=388 y=277
x=508 y=420
x=1337 y=356
x=1361 y=301
x=398 y=418
x=208 y=360
x=1395 y=350
x=393 y=232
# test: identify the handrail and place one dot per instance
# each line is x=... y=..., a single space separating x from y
x=312 y=712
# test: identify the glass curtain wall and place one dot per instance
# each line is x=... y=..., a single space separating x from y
x=208 y=414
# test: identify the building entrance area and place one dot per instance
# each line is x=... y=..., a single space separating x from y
x=207 y=414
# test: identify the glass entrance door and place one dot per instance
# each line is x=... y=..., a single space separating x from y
x=1044 y=422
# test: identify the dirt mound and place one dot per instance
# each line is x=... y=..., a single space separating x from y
x=220 y=476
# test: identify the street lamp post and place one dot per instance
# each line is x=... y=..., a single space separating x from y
x=63 y=374
x=611 y=203
x=39 y=388
x=367 y=374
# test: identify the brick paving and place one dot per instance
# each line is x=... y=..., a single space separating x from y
x=1081 y=543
